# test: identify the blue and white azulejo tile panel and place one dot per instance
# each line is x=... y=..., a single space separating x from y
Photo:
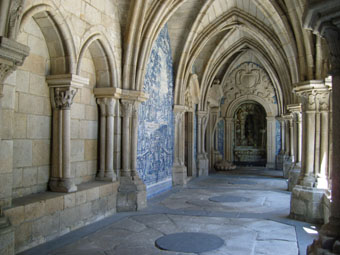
x=155 y=149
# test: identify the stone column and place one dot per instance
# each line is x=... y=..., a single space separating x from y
x=12 y=55
x=271 y=128
x=307 y=197
x=323 y=100
x=106 y=134
x=229 y=131
x=287 y=160
x=280 y=157
x=63 y=89
x=202 y=160
x=132 y=191
x=295 y=170
x=179 y=170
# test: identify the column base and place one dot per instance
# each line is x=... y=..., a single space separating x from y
x=6 y=237
x=328 y=241
x=293 y=177
x=131 y=194
x=202 y=165
x=108 y=177
x=270 y=165
x=306 y=204
x=279 y=161
x=179 y=175
x=287 y=165
x=62 y=185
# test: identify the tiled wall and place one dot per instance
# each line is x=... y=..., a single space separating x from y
x=156 y=125
x=278 y=138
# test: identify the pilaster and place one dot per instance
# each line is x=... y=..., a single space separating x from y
x=307 y=196
x=132 y=190
x=319 y=17
x=12 y=55
x=63 y=89
x=202 y=158
x=295 y=171
x=179 y=170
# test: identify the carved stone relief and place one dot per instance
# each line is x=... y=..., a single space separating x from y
x=249 y=79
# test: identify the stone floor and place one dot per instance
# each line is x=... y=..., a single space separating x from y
x=247 y=208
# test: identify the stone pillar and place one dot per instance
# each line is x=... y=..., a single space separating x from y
x=202 y=159
x=12 y=55
x=132 y=191
x=179 y=170
x=106 y=134
x=63 y=89
x=229 y=132
x=271 y=141
x=212 y=124
x=287 y=160
x=319 y=17
x=280 y=157
x=295 y=170
x=307 y=196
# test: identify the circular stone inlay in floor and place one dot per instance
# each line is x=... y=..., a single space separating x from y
x=228 y=199
x=189 y=242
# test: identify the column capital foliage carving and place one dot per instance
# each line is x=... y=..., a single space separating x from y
x=12 y=55
x=106 y=106
x=64 y=98
x=126 y=108
x=311 y=92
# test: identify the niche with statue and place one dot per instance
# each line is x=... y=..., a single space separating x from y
x=250 y=135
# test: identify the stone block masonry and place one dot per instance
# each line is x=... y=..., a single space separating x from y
x=41 y=217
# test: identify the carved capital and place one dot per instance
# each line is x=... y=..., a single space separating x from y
x=110 y=106
x=178 y=117
x=63 y=98
x=102 y=106
x=126 y=108
x=323 y=101
x=311 y=92
x=5 y=71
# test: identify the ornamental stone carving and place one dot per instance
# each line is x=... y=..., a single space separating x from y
x=126 y=109
x=215 y=94
x=192 y=93
x=15 y=13
x=249 y=79
x=64 y=98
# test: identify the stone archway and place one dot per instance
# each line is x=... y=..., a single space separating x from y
x=250 y=131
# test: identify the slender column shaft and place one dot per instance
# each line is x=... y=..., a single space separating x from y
x=60 y=142
x=199 y=134
x=66 y=143
x=55 y=146
x=287 y=135
x=126 y=114
x=109 y=138
x=299 y=138
x=322 y=180
x=283 y=136
x=134 y=138
x=292 y=152
x=308 y=126
x=102 y=136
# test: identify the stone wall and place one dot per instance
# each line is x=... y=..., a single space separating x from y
x=84 y=126
x=42 y=217
x=32 y=116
